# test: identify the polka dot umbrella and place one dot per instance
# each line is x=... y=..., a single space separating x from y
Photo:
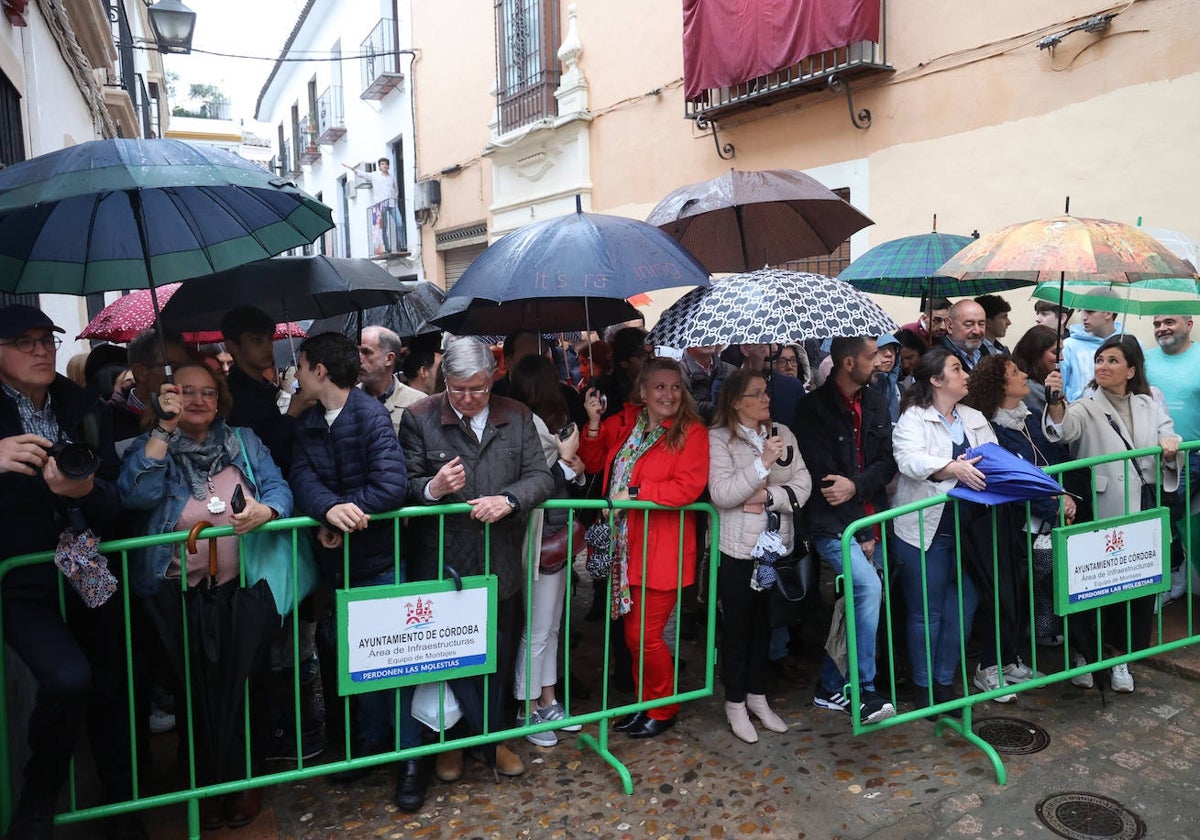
x=769 y=306
x=133 y=313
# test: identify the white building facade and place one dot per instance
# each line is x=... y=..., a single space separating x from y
x=339 y=99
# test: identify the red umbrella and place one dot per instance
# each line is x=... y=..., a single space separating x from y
x=133 y=313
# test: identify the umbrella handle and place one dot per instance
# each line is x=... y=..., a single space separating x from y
x=160 y=412
x=212 y=548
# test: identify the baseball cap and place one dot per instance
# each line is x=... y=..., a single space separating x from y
x=18 y=319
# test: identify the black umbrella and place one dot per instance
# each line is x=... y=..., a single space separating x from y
x=483 y=317
x=286 y=288
x=227 y=629
x=408 y=317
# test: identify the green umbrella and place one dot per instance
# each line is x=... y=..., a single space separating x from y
x=908 y=267
x=1147 y=297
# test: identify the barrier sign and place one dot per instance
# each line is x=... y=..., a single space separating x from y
x=391 y=636
x=1111 y=560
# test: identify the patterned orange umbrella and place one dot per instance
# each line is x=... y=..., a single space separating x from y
x=1068 y=248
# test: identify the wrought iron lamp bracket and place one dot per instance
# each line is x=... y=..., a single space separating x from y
x=724 y=152
x=861 y=119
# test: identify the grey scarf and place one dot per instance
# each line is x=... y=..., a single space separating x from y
x=202 y=459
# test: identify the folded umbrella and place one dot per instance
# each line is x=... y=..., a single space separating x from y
x=1009 y=478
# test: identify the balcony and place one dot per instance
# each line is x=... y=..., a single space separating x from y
x=331 y=119
x=380 y=62
x=810 y=75
x=310 y=152
x=289 y=166
x=386 y=226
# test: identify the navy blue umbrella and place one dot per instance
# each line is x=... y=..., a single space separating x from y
x=1009 y=478
x=548 y=273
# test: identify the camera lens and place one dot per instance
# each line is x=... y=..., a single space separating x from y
x=75 y=460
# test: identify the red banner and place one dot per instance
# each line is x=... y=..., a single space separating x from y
x=727 y=42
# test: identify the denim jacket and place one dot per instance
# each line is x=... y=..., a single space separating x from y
x=161 y=489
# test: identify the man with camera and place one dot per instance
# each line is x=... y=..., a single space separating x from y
x=57 y=469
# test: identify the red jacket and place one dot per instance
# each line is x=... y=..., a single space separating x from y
x=666 y=478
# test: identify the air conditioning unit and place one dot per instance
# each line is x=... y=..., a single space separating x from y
x=429 y=194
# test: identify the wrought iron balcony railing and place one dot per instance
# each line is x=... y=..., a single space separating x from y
x=380 y=62
x=331 y=120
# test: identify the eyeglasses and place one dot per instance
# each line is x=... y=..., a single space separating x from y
x=471 y=392
x=206 y=394
x=26 y=344
x=786 y=360
x=756 y=395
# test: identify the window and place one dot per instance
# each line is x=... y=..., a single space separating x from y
x=526 y=61
x=12 y=132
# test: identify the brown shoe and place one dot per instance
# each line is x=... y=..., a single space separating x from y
x=508 y=763
x=212 y=812
x=243 y=808
x=449 y=766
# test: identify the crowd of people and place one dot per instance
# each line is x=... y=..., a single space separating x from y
x=791 y=443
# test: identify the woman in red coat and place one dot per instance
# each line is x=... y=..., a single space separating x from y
x=654 y=450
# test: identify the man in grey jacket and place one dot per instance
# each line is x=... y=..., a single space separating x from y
x=466 y=445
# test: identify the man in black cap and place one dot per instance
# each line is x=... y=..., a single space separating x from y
x=78 y=662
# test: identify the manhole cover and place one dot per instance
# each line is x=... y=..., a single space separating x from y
x=1012 y=736
x=1087 y=816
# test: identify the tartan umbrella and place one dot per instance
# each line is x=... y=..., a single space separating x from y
x=131 y=314
x=767 y=307
x=908 y=267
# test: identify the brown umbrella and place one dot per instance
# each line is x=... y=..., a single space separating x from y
x=743 y=221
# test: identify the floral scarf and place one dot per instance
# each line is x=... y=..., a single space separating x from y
x=636 y=445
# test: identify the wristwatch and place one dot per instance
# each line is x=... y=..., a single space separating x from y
x=165 y=435
x=512 y=501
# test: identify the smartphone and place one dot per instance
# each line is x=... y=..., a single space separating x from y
x=238 y=503
x=563 y=434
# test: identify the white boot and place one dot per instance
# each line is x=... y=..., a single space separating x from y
x=740 y=723
x=757 y=704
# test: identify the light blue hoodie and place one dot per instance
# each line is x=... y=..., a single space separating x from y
x=1078 y=363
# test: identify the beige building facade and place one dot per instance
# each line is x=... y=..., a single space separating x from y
x=982 y=114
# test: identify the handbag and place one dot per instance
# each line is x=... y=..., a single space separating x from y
x=554 y=547
x=430 y=709
x=795 y=577
x=85 y=569
x=599 y=540
x=267 y=555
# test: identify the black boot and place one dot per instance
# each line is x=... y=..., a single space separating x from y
x=410 y=788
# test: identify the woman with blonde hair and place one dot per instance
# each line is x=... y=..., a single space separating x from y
x=751 y=481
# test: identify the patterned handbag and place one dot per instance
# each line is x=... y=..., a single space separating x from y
x=86 y=569
x=599 y=540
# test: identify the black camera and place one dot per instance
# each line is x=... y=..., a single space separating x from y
x=75 y=460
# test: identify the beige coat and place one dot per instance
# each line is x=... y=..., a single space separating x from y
x=922 y=446
x=402 y=397
x=1087 y=429
x=732 y=479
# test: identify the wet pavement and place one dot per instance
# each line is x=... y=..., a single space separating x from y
x=816 y=781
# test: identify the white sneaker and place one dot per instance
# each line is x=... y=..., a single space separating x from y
x=160 y=721
x=1081 y=680
x=541 y=739
x=1122 y=680
x=987 y=679
x=1020 y=672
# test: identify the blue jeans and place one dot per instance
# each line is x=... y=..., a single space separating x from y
x=868 y=593
x=946 y=626
x=376 y=711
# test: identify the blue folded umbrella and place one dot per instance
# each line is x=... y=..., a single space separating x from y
x=1009 y=478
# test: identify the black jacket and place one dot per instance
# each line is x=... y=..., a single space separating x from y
x=31 y=516
x=825 y=433
x=255 y=406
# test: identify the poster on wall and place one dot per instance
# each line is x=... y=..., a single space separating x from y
x=1111 y=560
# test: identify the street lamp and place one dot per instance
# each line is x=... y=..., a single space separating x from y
x=173 y=24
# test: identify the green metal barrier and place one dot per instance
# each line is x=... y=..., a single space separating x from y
x=577 y=712
x=1053 y=668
